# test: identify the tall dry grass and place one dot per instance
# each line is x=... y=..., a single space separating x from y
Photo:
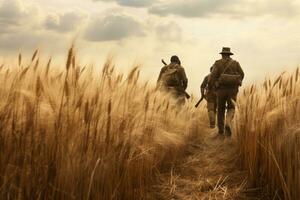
x=80 y=133
x=268 y=135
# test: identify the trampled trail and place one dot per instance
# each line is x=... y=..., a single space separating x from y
x=208 y=170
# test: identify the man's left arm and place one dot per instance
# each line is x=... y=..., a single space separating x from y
x=183 y=78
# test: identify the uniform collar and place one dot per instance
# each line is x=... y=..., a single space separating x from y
x=227 y=59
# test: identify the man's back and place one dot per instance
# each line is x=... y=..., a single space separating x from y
x=227 y=76
x=228 y=66
x=173 y=75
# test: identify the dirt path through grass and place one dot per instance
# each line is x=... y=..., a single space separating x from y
x=208 y=170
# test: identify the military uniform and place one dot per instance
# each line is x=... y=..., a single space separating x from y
x=226 y=93
x=211 y=98
x=172 y=78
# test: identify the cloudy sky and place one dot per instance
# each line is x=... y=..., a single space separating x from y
x=263 y=34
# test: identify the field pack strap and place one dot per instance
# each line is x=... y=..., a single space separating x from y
x=171 y=71
x=227 y=66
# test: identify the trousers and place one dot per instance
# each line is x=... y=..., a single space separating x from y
x=211 y=98
x=226 y=99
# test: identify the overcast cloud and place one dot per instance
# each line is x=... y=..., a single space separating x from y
x=190 y=8
x=65 y=22
x=229 y=8
x=14 y=14
x=113 y=27
x=169 y=31
x=264 y=34
x=209 y=8
x=25 y=25
x=131 y=3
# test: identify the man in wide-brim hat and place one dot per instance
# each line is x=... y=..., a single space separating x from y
x=226 y=76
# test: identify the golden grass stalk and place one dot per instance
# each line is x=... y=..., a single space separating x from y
x=82 y=138
x=260 y=129
x=34 y=55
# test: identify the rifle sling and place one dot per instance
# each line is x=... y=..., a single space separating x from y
x=227 y=66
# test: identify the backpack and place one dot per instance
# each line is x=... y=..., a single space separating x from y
x=229 y=79
x=170 y=77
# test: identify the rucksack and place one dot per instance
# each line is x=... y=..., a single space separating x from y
x=170 y=77
x=229 y=79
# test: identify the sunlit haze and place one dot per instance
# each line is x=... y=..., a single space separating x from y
x=263 y=34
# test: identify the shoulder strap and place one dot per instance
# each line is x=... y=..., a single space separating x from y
x=227 y=66
x=170 y=70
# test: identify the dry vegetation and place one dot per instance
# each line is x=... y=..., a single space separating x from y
x=76 y=133
x=268 y=133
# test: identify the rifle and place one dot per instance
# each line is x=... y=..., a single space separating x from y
x=162 y=60
x=198 y=103
x=185 y=93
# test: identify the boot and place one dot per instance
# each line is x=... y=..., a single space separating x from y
x=229 y=119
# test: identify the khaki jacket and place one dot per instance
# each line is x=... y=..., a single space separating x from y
x=219 y=67
x=182 y=82
x=206 y=89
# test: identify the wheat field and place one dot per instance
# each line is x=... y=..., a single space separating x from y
x=267 y=128
x=76 y=132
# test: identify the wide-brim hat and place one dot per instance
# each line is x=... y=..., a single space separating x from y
x=226 y=50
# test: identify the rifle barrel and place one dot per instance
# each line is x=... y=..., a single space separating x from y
x=198 y=103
